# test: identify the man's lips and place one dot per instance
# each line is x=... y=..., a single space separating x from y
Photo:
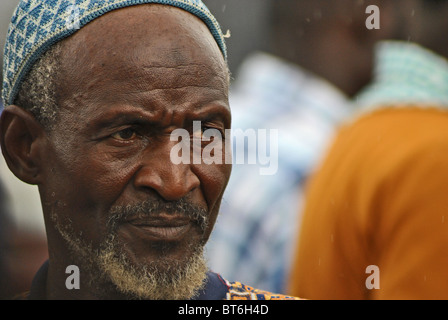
x=162 y=227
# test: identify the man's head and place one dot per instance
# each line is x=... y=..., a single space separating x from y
x=424 y=22
x=97 y=144
x=329 y=38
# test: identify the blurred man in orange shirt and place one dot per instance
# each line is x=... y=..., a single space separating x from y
x=376 y=219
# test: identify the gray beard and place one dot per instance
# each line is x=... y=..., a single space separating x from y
x=157 y=280
x=108 y=269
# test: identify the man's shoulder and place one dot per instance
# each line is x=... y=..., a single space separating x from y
x=393 y=134
x=239 y=291
x=400 y=117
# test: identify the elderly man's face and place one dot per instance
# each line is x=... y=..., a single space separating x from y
x=130 y=78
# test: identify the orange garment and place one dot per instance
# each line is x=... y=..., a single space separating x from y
x=380 y=198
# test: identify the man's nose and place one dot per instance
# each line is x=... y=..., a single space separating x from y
x=171 y=181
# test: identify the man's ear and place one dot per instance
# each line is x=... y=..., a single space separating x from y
x=22 y=139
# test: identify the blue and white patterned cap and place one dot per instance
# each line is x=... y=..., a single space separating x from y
x=38 y=24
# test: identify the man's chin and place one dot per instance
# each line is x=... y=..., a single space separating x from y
x=164 y=278
x=130 y=270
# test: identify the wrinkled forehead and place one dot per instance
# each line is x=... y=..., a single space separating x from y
x=172 y=64
x=156 y=44
x=154 y=31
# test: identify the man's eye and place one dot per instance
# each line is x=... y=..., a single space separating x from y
x=126 y=134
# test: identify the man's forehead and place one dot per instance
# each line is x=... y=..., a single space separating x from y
x=138 y=62
x=145 y=30
x=37 y=24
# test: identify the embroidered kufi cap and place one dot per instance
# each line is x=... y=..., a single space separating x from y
x=36 y=25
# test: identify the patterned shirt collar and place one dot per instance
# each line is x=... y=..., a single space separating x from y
x=406 y=74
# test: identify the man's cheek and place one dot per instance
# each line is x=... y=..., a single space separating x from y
x=214 y=179
x=219 y=177
x=104 y=179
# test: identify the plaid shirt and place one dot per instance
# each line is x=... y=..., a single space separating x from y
x=406 y=74
x=253 y=237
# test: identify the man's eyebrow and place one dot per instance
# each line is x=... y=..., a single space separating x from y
x=139 y=116
x=213 y=112
x=115 y=118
